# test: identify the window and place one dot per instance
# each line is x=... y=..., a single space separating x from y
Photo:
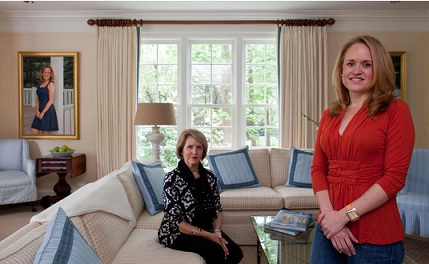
x=225 y=87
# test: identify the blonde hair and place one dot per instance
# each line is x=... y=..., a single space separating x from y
x=383 y=82
x=198 y=135
x=51 y=78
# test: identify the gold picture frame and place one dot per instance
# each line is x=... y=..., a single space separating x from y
x=400 y=65
x=66 y=103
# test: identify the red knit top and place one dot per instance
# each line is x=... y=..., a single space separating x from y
x=369 y=151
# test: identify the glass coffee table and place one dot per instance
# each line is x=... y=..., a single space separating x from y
x=279 y=248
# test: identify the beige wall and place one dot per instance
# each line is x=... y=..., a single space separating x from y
x=85 y=44
x=417 y=86
x=415 y=44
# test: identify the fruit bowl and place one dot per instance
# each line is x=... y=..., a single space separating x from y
x=62 y=154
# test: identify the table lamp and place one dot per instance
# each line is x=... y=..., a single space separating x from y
x=155 y=114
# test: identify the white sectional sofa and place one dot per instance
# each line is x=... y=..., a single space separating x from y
x=111 y=215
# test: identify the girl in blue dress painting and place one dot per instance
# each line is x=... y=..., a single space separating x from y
x=45 y=120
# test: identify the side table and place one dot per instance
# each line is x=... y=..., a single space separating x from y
x=74 y=165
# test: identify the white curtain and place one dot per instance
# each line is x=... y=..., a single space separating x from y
x=303 y=76
x=116 y=89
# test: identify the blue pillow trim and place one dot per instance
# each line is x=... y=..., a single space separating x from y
x=222 y=162
x=293 y=168
x=146 y=181
x=64 y=244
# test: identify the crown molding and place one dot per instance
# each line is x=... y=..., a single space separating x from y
x=72 y=21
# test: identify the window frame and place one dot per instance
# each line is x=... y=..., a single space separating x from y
x=238 y=41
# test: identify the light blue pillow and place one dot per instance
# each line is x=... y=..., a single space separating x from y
x=233 y=169
x=150 y=179
x=300 y=168
x=64 y=244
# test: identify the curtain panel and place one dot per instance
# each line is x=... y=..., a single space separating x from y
x=116 y=89
x=303 y=83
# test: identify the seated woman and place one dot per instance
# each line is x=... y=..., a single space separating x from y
x=192 y=211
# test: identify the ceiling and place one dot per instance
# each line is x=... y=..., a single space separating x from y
x=210 y=6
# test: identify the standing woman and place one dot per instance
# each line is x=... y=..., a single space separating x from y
x=46 y=116
x=361 y=158
x=192 y=211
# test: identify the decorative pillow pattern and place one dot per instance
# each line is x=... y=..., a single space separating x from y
x=300 y=168
x=233 y=169
x=150 y=179
x=64 y=244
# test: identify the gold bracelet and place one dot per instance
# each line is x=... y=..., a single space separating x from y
x=195 y=231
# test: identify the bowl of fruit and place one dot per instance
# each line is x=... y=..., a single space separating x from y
x=63 y=151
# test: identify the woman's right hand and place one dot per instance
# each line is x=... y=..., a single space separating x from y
x=343 y=241
x=217 y=237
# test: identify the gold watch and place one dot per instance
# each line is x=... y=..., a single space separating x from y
x=352 y=213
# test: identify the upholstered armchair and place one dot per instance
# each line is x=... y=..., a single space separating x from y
x=413 y=200
x=17 y=173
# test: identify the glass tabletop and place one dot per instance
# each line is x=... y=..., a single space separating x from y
x=281 y=248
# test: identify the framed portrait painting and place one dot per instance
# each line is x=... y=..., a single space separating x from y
x=48 y=95
x=399 y=63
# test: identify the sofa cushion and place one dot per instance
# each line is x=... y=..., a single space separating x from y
x=233 y=169
x=106 y=233
x=260 y=159
x=126 y=177
x=23 y=244
x=147 y=221
x=299 y=173
x=150 y=179
x=297 y=197
x=258 y=198
x=64 y=243
x=143 y=247
x=279 y=160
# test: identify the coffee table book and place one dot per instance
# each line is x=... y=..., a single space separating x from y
x=298 y=221
x=268 y=228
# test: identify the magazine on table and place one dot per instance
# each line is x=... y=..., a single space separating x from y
x=299 y=238
x=298 y=221
x=268 y=228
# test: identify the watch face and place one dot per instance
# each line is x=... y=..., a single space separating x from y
x=353 y=215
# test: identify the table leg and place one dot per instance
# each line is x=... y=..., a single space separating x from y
x=258 y=252
x=61 y=188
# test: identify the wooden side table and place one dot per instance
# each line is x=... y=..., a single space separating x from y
x=74 y=165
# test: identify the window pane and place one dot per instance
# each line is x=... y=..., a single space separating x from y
x=167 y=53
x=255 y=94
x=200 y=94
x=201 y=74
x=201 y=116
x=221 y=74
x=221 y=94
x=221 y=53
x=158 y=82
x=221 y=117
x=261 y=95
x=201 y=53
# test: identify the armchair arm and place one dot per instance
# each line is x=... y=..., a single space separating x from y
x=28 y=165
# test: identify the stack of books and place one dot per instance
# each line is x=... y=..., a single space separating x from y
x=290 y=222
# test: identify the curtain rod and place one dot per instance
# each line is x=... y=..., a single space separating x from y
x=141 y=22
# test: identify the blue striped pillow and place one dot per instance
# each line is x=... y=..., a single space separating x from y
x=64 y=244
x=233 y=169
x=300 y=168
x=150 y=180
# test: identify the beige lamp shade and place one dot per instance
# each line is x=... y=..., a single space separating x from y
x=155 y=114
